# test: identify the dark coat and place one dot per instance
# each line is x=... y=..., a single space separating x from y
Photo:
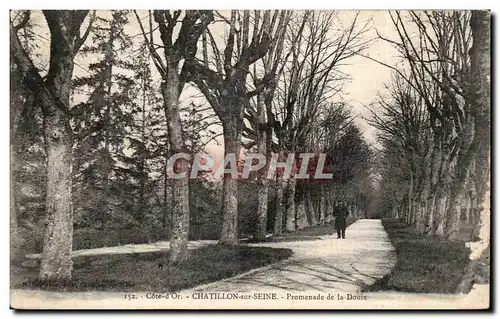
x=340 y=213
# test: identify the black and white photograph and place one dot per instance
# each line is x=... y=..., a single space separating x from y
x=250 y=159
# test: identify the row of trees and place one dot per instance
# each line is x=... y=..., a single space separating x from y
x=435 y=126
x=92 y=132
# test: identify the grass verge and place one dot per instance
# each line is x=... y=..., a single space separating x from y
x=425 y=264
x=151 y=271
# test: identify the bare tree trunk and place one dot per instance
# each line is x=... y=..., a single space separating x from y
x=457 y=189
x=143 y=204
x=328 y=206
x=278 y=224
x=322 y=206
x=402 y=211
x=13 y=193
x=232 y=122
x=260 y=232
x=166 y=219
x=56 y=263
x=262 y=184
x=409 y=215
x=429 y=215
x=414 y=210
x=180 y=216
x=423 y=217
x=300 y=214
x=440 y=215
x=352 y=209
x=53 y=96
x=411 y=188
x=16 y=110
x=481 y=87
x=419 y=218
x=180 y=186
x=300 y=208
x=467 y=208
x=480 y=98
x=418 y=214
x=471 y=216
x=229 y=231
x=290 y=205
x=325 y=198
x=310 y=208
x=407 y=212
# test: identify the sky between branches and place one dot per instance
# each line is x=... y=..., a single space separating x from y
x=367 y=77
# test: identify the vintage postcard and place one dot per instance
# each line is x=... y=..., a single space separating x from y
x=250 y=159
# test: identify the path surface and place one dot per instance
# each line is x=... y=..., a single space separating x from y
x=131 y=249
x=318 y=265
x=325 y=265
x=136 y=248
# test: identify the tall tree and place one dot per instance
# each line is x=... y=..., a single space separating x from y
x=52 y=94
x=481 y=109
x=104 y=121
x=259 y=114
x=480 y=93
x=226 y=90
x=174 y=77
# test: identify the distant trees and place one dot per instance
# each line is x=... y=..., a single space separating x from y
x=292 y=87
x=309 y=81
x=405 y=135
x=437 y=131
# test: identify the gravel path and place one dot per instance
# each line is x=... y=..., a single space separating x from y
x=325 y=265
x=328 y=267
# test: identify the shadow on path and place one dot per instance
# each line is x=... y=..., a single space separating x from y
x=322 y=265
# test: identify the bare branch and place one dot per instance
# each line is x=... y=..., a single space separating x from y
x=79 y=41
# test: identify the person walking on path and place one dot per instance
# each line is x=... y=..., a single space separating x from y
x=340 y=213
